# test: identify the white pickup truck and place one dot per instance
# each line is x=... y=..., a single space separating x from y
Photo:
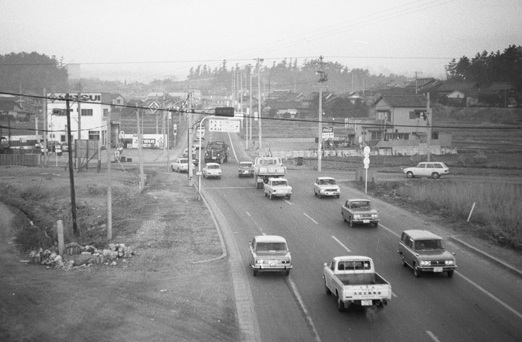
x=277 y=187
x=353 y=280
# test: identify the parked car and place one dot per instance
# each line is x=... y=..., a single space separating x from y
x=180 y=165
x=326 y=186
x=211 y=170
x=269 y=253
x=424 y=251
x=246 y=169
x=427 y=169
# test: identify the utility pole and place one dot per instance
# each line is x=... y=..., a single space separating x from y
x=259 y=61
x=45 y=127
x=140 y=152
x=79 y=125
x=428 y=124
x=71 y=173
x=322 y=78
x=190 y=132
x=109 y=181
x=249 y=119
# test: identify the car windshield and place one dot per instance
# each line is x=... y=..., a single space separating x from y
x=271 y=246
x=361 y=205
x=353 y=265
x=183 y=161
x=212 y=166
x=278 y=183
x=327 y=182
x=245 y=165
x=424 y=245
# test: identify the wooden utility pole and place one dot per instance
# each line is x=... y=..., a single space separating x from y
x=322 y=78
x=45 y=127
x=428 y=128
x=259 y=61
x=109 y=181
x=71 y=173
x=140 y=140
x=79 y=126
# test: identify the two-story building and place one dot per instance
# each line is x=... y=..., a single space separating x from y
x=92 y=118
x=400 y=125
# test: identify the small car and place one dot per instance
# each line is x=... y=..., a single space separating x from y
x=180 y=164
x=427 y=169
x=269 y=253
x=356 y=211
x=424 y=251
x=211 y=170
x=246 y=169
x=326 y=186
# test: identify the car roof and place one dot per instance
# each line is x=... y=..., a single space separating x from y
x=270 y=238
x=325 y=178
x=357 y=199
x=245 y=162
x=351 y=257
x=277 y=178
x=212 y=164
x=421 y=234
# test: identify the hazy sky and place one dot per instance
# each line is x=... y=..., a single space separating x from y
x=142 y=40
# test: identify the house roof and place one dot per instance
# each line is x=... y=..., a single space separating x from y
x=451 y=86
x=414 y=101
x=421 y=82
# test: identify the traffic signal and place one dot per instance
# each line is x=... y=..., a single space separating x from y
x=224 y=111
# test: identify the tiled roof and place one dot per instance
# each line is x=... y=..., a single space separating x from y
x=414 y=101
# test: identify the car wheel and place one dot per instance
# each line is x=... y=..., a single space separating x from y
x=288 y=197
x=376 y=224
x=255 y=273
x=340 y=305
x=338 y=196
x=315 y=193
x=351 y=222
x=409 y=174
x=416 y=271
x=435 y=175
x=450 y=273
x=219 y=177
x=287 y=273
x=403 y=261
x=326 y=289
x=270 y=196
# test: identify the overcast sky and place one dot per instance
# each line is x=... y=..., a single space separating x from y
x=143 y=40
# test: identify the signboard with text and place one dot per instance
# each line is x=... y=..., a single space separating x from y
x=216 y=125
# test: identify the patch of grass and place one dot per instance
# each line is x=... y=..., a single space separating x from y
x=496 y=214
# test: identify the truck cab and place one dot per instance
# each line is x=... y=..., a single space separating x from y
x=353 y=280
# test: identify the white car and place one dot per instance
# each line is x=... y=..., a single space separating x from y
x=212 y=170
x=427 y=169
x=269 y=253
x=179 y=165
x=326 y=186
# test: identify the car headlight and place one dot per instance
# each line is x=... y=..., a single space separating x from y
x=449 y=262
x=356 y=216
x=425 y=262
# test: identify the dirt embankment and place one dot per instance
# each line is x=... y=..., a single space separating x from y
x=160 y=294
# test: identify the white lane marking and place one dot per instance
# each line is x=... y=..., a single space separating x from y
x=433 y=337
x=339 y=242
x=248 y=213
x=314 y=221
x=289 y=202
x=491 y=295
x=305 y=311
x=232 y=146
x=509 y=308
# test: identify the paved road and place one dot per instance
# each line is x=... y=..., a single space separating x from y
x=480 y=303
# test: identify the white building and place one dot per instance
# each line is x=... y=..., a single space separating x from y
x=94 y=107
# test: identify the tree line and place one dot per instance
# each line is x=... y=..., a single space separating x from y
x=486 y=67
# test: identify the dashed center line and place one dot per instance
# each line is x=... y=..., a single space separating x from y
x=314 y=221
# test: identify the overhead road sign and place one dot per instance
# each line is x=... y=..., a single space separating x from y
x=224 y=111
x=220 y=125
